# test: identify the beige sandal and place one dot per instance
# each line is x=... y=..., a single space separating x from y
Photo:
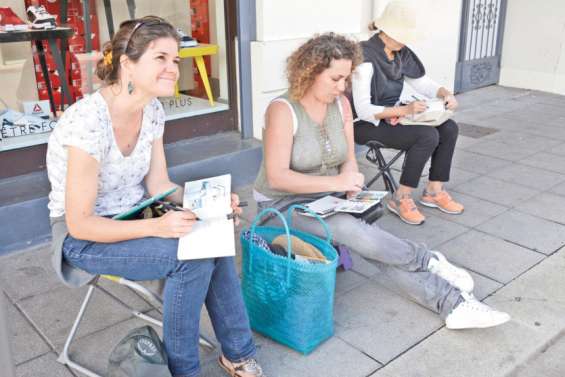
x=247 y=368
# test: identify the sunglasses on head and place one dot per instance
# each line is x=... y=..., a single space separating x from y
x=145 y=21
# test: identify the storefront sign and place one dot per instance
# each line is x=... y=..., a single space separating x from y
x=37 y=108
x=173 y=103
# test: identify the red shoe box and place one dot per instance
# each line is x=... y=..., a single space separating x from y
x=43 y=94
x=51 y=66
x=53 y=77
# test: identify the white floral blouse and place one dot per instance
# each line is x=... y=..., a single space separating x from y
x=87 y=125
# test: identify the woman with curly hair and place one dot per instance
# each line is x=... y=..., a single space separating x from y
x=309 y=152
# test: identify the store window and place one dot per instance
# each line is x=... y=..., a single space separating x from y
x=33 y=93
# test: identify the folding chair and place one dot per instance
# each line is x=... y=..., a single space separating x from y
x=151 y=297
x=375 y=156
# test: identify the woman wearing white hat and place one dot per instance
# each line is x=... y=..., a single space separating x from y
x=377 y=86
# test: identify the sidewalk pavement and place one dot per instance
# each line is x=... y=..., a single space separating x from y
x=508 y=171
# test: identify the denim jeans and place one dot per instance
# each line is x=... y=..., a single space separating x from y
x=189 y=284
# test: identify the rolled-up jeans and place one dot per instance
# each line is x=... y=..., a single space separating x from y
x=189 y=284
x=403 y=263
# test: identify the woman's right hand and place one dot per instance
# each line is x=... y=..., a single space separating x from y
x=174 y=224
x=351 y=181
x=415 y=107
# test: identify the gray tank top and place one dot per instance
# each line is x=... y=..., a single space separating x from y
x=316 y=149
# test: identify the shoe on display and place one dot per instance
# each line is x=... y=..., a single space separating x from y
x=40 y=18
x=13 y=124
x=186 y=40
x=10 y=21
x=473 y=314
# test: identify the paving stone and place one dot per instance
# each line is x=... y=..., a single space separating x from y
x=476 y=212
x=536 y=308
x=541 y=113
x=465 y=141
x=527 y=176
x=529 y=231
x=28 y=273
x=490 y=256
x=381 y=323
x=547 y=161
x=496 y=191
x=549 y=362
x=503 y=151
x=481 y=352
x=53 y=312
x=545 y=205
x=433 y=232
x=559 y=149
x=457 y=177
x=502 y=122
x=44 y=366
x=484 y=286
x=347 y=281
x=544 y=130
x=25 y=342
x=93 y=351
x=558 y=189
x=477 y=163
x=333 y=358
x=523 y=140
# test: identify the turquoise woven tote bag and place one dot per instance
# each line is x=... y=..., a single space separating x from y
x=289 y=301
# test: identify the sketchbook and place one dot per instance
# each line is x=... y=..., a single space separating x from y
x=435 y=115
x=212 y=235
x=329 y=205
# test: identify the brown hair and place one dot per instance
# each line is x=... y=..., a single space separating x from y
x=316 y=55
x=132 y=40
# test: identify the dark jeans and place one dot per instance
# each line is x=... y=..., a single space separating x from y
x=189 y=284
x=419 y=142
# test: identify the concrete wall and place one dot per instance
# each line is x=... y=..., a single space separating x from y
x=284 y=25
x=533 y=52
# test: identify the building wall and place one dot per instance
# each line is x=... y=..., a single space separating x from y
x=533 y=54
x=283 y=25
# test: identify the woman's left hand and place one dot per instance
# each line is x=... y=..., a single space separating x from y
x=450 y=102
x=393 y=121
x=237 y=211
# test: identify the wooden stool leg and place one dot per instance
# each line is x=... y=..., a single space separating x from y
x=204 y=76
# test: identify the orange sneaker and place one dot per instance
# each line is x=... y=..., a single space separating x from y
x=406 y=209
x=443 y=201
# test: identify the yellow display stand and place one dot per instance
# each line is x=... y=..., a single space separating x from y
x=197 y=53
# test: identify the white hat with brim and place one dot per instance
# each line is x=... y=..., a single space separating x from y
x=399 y=20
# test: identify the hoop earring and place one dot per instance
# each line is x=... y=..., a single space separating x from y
x=130 y=87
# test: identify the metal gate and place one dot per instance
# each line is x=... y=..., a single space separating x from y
x=480 y=47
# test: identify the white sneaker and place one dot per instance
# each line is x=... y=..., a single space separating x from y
x=456 y=276
x=186 y=40
x=473 y=314
x=40 y=18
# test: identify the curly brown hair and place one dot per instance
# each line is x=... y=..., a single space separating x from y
x=316 y=55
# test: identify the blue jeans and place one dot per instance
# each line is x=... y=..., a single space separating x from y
x=188 y=285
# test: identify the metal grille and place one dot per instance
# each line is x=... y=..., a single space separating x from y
x=480 y=47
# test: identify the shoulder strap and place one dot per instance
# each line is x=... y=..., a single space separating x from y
x=294 y=118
